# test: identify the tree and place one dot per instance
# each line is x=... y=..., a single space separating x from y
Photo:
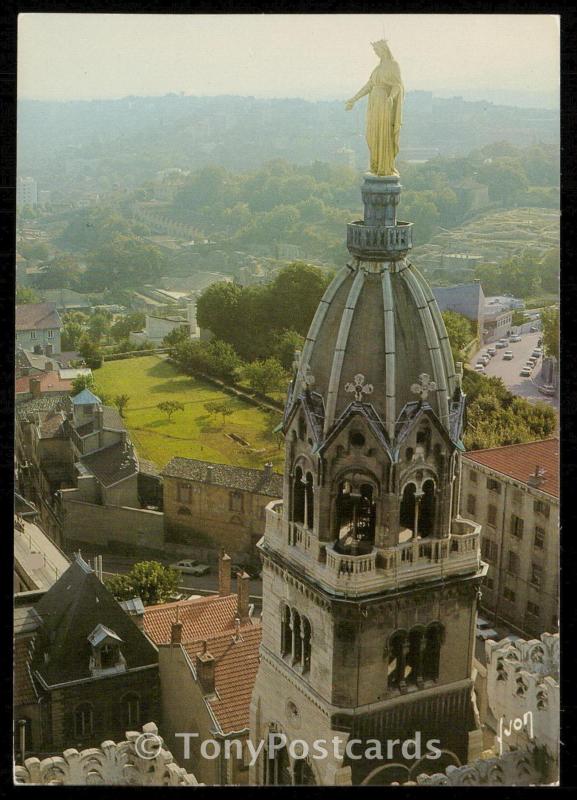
x=121 y=401
x=98 y=326
x=550 y=322
x=90 y=352
x=24 y=295
x=224 y=407
x=460 y=331
x=518 y=318
x=72 y=333
x=176 y=335
x=265 y=376
x=34 y=251
x=169 y=407
x=150 y=580
x=63 y=272
x=286 y=343
x=83 y=382
x=124 y=326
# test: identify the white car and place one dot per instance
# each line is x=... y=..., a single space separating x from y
x=190 y=566
x=492 y=351
x=507 y=355
x=525 y=372
x=515 y=338
x=537 y=353
x=502 y=343
x=479 y=367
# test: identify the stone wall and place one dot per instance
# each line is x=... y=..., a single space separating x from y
x=112 y=764
x=212 y=520
x=101 y=525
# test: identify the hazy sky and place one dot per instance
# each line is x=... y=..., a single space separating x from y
x=503 y=58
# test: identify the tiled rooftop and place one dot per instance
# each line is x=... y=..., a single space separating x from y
x=518 y=461
x=112 y=464
x=37 y=316
x=242 y=478
x=200 y=618
x=49 y=382
x=236 y=665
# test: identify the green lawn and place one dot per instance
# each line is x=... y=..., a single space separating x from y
x=193 y=433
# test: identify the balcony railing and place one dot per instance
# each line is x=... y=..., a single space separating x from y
x=383 y=568
x=374 y=241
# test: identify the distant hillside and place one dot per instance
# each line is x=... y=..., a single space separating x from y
x=132 y=138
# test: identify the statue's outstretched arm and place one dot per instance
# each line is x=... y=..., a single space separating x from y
x=361 y=93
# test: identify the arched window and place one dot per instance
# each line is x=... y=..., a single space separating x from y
x=297 y=640
x=83 y=720
x=310 y=500
x=131 y=710
x=306 y=635
x=396 y=658
x=355 y=516
x=427 y=510
x=431 y=658
x=413 y=669
x=407 y=512
x=303 y=773
x=286 y=632
x=298 y=496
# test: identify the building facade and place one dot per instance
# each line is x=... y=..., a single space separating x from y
x=84 y=671
x=370 y=576
x=513 y=492
x=213 y=506
x=38 y=328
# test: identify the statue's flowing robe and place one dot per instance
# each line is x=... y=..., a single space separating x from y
x=384 y=117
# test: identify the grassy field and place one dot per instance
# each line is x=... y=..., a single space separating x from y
x=192 y=433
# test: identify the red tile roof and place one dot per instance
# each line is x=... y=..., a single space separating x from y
x=236 y=665
x=49 y=382
x=201 y=618
x=518 y=461
x=24 y=691
x=37 y=316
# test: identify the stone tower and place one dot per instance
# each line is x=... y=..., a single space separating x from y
x=370 y=577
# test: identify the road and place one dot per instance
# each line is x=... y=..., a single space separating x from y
x=509 y=371
x=205 y=584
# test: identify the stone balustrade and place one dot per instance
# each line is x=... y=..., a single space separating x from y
x=417 y=560
x=379 y=242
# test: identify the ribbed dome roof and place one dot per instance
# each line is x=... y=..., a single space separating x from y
x=379 y=321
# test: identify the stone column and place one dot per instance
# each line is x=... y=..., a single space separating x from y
x=418 y=497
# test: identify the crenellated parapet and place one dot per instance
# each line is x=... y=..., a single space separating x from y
x=141 y=760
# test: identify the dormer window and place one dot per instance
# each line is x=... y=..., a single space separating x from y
x=106 y=655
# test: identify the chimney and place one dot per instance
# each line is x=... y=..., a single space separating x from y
x=242 y=593
x=48 y=350
x=205 y=669
x=209 y=471
x=537 y=477
x=176 y=633
x=49 y=366
x=35 y=387
x=268 y=471
x=224 y=566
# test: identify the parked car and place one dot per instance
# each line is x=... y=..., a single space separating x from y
x=484 y=630
x=191 y=566
x=537 y=353
x=525 y=372
x=479 y=367
x=502 y=343
x=534 y=328
x=548 y=389
x=507 y=355
x=531 y=362
x=515 y=338
x=485 y=360
x=492 y=351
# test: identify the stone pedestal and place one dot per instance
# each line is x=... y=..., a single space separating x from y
x=379 y=236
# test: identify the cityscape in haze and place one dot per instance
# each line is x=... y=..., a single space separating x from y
x=287 y=399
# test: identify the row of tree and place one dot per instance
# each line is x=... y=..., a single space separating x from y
x=525 y=275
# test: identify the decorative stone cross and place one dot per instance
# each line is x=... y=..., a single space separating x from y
x=359 y=387
x=423 y=386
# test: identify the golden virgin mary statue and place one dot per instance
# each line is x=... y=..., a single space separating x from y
x=384 y=110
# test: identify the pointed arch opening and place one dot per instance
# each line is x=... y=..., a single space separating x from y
x=427 y=509
x=310 y=501
x=298 y=496
x=408 y=505
x=355 y=516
